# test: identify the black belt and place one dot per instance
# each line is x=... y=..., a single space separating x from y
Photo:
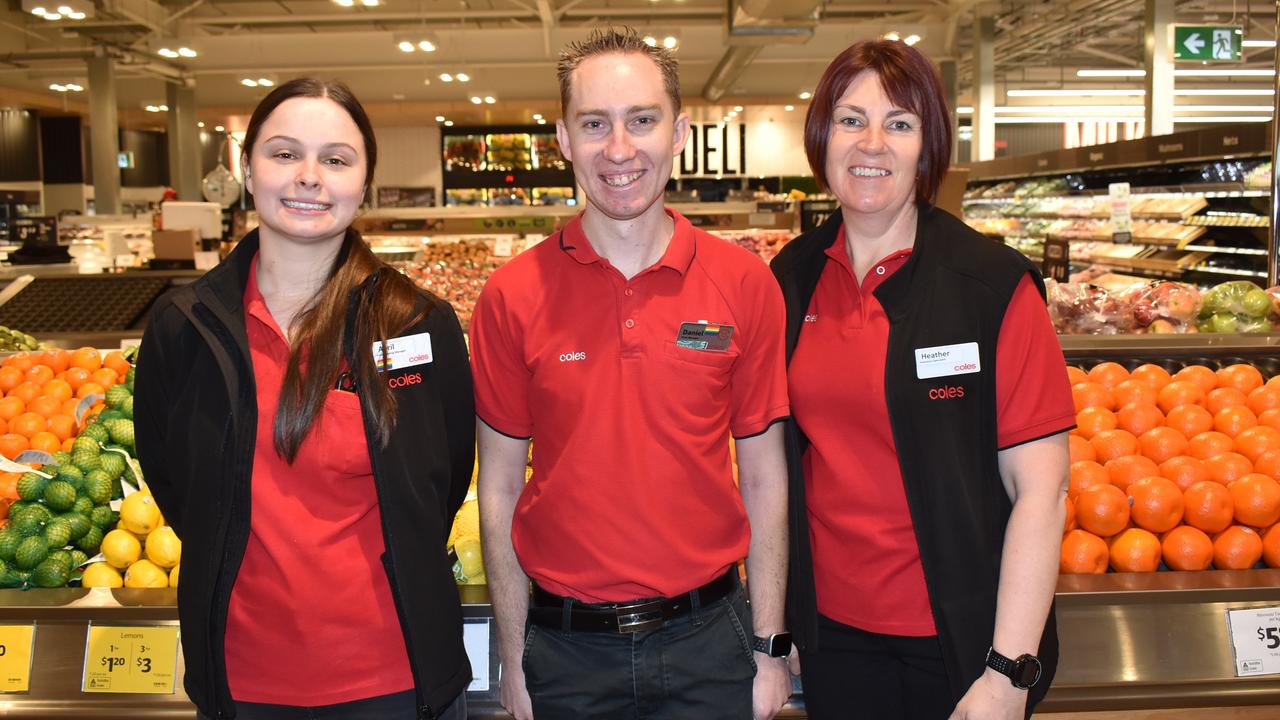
x=554 y=611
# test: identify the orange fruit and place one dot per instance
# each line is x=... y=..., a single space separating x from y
x=87 y=358
x=1102 y=510
x=1111 y=444
x=115 y=360
x=62 y=426
x=1256 y=441
x=1179 y=393
x=1135 y=550
x=1234 y=420
x=44 y=405
x=1199 y=375
x=1157 y=504
x=56 y=358
x=1190 y=420
x=1070 y=521
x=1220 y=399
x=1228 y=467
x=1207 y=444
x=106 y=377
x=89 y=388
x=58 y=389
x=1108 y=374
x=68 y=444
x=1080 y=449
x=1264 y=398
x=1270 y=418
x=1137 y=418
x=1076 y=375
x=1237 y=548
x=69 y=407
x=1256 y=499
x=1208 y=506
x=39 y=374
x=12 y=445
x=1128 y=469
x=28 y=424
x=21 y=360
x=26 y=390
x=1093 y=420
x=1134 y=391
x=1083 y=553
x=1153 y=375
x=1184 y=471
x=46 y=442
x=1085 y=474
x=1268 y=463
x=1271 y=546
x=9 y=378
x=1186 y=548
x=76 y=377
x=1240 y=376
x=1162 y=443
x=1091 y=394
x=11 y=407
x=1273 y=382
x=9 y=485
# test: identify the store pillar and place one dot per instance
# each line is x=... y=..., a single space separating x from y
x=1158 y=61
x=983 y=145
x=951 y=89
x=104 y=135
x=183 y=142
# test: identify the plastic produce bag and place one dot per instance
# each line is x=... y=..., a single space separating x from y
x=1235 y=306
x=1161 y=306
x=1084 y=309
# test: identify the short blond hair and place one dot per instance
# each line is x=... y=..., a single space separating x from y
x=624 y=41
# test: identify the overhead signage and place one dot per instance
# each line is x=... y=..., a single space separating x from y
x=715 y=149
x=1207 y=43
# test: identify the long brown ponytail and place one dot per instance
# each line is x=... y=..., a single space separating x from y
x=388 y=305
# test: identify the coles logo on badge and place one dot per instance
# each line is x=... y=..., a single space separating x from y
x=404 y=380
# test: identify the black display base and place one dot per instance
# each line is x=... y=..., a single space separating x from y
x=158 y=264
x=39 y=255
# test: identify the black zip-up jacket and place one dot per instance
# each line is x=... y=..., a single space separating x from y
x=196 y=418
x=953 y=289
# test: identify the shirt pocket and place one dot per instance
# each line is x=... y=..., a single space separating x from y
x=717 y=360
x=340 y=433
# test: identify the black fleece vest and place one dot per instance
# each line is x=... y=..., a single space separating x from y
x=954 y=289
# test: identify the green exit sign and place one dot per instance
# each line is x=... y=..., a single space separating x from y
x=1207 y=43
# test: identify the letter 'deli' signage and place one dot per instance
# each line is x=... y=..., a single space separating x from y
x=715 y=149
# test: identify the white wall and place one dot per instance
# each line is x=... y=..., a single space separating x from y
x=409 y=157
x=775 y=141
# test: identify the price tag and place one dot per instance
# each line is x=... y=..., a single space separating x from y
x=1121 y=215
x=475 y=638
x=15 y=657
x=130 y=659
x=502 y=247
x=1255 y=640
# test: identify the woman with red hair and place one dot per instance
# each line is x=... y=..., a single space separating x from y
x=928 y=447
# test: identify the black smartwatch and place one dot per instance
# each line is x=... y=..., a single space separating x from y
x=776 y=645
x=1023 y=672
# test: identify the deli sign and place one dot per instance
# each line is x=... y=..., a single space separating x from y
x=715 y=149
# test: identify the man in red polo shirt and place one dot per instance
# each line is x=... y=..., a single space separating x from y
x=630 y=346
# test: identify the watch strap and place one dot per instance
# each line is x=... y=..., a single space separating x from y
x=776 y=645
x=1023 y=672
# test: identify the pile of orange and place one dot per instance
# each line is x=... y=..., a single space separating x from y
x=1179 y=468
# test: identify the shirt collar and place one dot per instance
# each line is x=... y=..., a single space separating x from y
x=678 y=256
x=839 y=251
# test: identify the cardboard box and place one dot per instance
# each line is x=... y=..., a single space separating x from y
x=176 y=244
x=951 y=192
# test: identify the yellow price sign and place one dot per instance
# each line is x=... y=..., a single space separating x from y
x=15 y=657
x=120 y=659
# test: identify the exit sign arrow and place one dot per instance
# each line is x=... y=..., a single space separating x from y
x=1194 y=43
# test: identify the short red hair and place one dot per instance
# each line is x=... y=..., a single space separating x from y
x=910 y=81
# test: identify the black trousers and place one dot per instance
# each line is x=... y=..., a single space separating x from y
x=396 y=706
x=858 y=674
x=697 y=666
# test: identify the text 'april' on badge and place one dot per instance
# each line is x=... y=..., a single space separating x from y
x=402 y=352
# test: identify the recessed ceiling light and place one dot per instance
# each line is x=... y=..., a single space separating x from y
x=476 y=100
x=73 y=87
x=167 y=52
x=345 y=3
x=537 y=116
x=38 y=10
x=369 y=3
x=406 y=46
x=200 y=124
x=219 y=128
x=427 y=46
x=249 y=82
x=788 y=108
x=669 y=42
x=164 y=108
x=439 y=118
x=651 y=41
x=911 y=39
x=489 y=100
x=891 y=36
x=446 y=77
x=463 y=77
x=187 y=52
x=65 y=10
x=266 y=82
x=52 y=17
x=152 y=108
x=448 y=123
x=76 y=15
x=737 y=108
x=806 y=95
x=58 y=88
x=541 y=121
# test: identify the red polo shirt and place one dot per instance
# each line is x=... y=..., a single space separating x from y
x=312 y=620
x=632 y=493
x=866 y=561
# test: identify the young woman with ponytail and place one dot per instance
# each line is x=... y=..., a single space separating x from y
x=305 y=422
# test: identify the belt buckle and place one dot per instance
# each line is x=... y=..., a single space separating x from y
x=639 y=616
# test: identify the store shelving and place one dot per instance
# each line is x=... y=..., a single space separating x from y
x=509 y=165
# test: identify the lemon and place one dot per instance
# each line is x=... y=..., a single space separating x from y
x=139 y=513
x=466 y=522
x=468 y=550
x=145 y=574
x=121 y=548
x=101 y=574
x=173 y=576
x=476 y=580
x=163 y=547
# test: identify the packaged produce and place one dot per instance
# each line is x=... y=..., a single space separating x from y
x=1238 y=306
x=1164 y=307
x=465 y=152
x=1084 y=309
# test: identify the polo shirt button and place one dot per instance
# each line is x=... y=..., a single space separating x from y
x=628 y=292
x=880 y=270
x=630 y=323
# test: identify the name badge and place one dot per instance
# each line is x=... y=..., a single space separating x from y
x=402 y=352
x=708 y=337
x=945 y=360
